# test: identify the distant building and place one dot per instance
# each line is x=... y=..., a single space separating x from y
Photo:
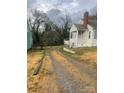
x=29 y=37
x=85 y=33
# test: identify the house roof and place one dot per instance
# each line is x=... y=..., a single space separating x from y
x=93 y=21
x=79 y=27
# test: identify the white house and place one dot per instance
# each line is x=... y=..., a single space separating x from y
x=85 y=33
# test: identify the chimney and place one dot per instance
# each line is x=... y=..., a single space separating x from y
x=86 y=14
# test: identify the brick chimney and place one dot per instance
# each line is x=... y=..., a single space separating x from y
x=86 y=14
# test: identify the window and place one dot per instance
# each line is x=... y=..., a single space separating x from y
x=73 y=34
x=89 y=35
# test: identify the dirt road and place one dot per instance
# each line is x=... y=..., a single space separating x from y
x=73 y=76
x=61 y=74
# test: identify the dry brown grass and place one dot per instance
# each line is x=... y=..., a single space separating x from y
x=33 y=83
x=88 y=57
x=33 y=58
x=45 y=81
x=86 y=54
x=49 y=83
x=81 y=79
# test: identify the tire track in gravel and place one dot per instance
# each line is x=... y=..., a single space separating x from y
x=84 y=68
x=62 y=77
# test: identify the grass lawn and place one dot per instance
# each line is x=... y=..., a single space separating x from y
x=40 y=83
x=33 y=58
x=86 y=54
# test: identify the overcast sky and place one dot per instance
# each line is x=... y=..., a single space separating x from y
x=74 y=7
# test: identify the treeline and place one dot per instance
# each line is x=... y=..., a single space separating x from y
x=45 y=32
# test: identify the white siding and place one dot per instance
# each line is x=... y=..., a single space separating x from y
x=73 y=37
x=94 y=41
x=86 y=40
x=73 y=28
x=82 y=39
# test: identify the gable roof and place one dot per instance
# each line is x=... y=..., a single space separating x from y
x=79 y=27
x=92 y=21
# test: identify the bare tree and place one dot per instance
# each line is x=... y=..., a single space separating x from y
x=66 y=25
x=35 y=20
x=51 y=34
